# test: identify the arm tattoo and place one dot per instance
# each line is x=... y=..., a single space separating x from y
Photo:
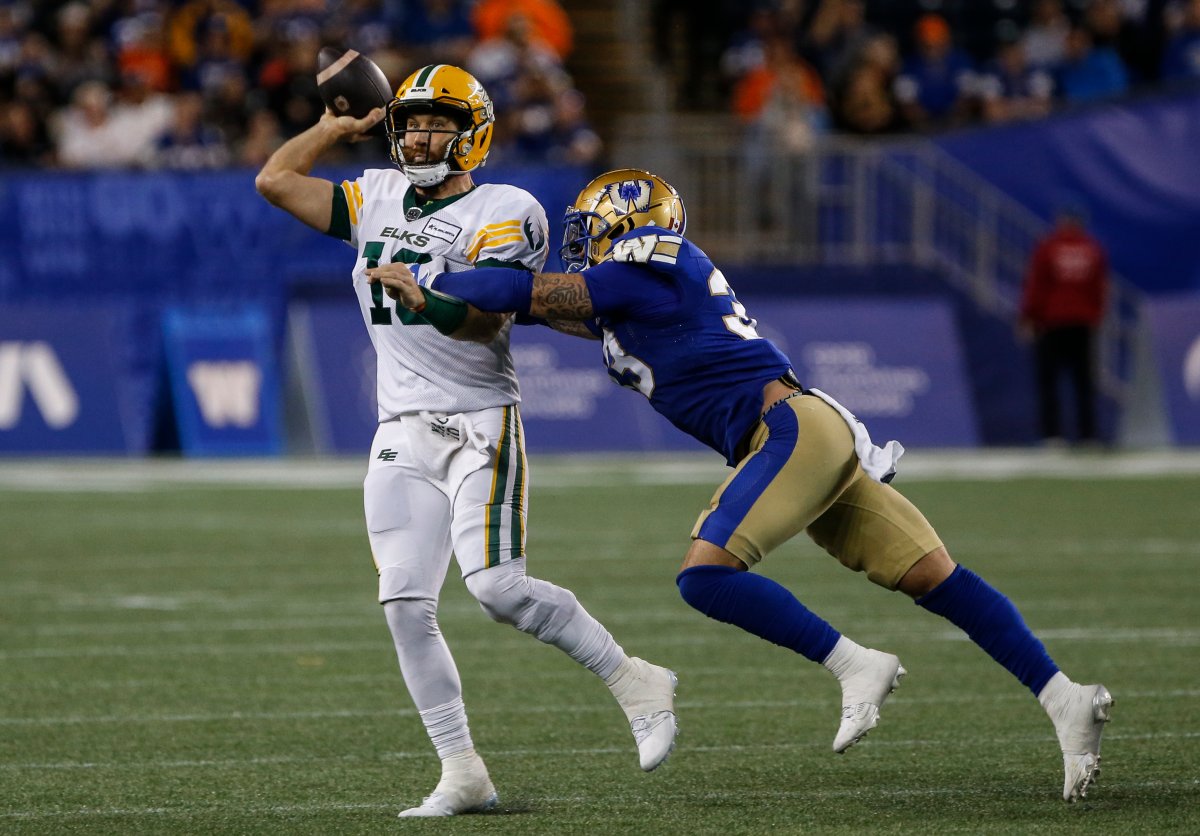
x=561 y=296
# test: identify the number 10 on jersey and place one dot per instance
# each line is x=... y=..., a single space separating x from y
x=380 y=313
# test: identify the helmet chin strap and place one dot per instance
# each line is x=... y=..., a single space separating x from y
x=434 y=174
x=427 y=176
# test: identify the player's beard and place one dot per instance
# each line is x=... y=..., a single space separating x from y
x=425 y=155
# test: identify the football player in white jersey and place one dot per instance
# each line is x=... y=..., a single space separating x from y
x=447 y=472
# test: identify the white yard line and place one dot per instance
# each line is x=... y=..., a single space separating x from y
x=557 y=471
x=944 y=697
x=1165 y=635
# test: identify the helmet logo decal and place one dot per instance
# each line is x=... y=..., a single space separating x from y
x=629 y=196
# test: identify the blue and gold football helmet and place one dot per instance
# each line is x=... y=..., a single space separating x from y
x=610 y=206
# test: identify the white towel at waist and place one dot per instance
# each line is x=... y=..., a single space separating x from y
x=878 y=462
x=446 y=447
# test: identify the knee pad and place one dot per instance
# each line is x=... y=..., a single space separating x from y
x=533 y=606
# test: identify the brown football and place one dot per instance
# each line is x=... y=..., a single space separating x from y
x=350 y=83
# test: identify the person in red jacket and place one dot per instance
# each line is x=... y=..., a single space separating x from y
x=1062 y=306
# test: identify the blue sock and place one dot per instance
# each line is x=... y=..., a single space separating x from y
x=758 y=605
x=992 y=622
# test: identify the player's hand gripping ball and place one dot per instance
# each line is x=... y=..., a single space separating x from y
x=350 y=83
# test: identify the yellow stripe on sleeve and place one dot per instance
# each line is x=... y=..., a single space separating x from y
x=507 y=226
x=473 y=253
x=349 y=190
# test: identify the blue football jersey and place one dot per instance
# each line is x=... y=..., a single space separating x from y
x=674 y=330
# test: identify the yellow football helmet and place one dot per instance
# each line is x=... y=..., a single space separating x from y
x=611 y=205
x=442 y=88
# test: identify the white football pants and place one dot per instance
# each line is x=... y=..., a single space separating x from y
x=442 y=484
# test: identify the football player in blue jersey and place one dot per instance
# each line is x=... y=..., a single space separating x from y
x=673 y=329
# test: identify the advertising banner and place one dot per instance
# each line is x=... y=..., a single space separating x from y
x=61 y=386
x=223 y=380
x=335 y=362
x=568 y=402
x=1175 y=333
x=897 y=364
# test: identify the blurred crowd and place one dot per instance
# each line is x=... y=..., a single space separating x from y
x=799 y=68
x=210 y=83
x=197 y=84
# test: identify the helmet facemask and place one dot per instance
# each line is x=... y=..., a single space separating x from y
x=581 y=233
x=431 y=172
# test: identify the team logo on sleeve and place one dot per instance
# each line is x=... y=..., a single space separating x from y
x=629 y=196
x=531 y=235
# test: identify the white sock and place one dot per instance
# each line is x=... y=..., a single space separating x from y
x=1053 y=691
x=843 y=657
x=620 y=678
x=447 y=729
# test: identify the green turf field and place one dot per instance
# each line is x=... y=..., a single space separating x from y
x=210 y=659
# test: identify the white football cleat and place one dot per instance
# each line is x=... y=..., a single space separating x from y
x=465 y=788
x=1079 y=715
x=646 y=693
x=865 y=686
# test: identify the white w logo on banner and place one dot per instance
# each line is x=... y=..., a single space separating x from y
x=226 y=392
x=35 y=365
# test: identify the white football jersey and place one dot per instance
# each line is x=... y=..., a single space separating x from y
x=419 y=368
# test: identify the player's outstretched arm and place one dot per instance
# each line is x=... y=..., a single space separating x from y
x=561 y=297
x=553 y=296
x=284 y=179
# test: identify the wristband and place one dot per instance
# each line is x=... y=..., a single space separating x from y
x=445 y=313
